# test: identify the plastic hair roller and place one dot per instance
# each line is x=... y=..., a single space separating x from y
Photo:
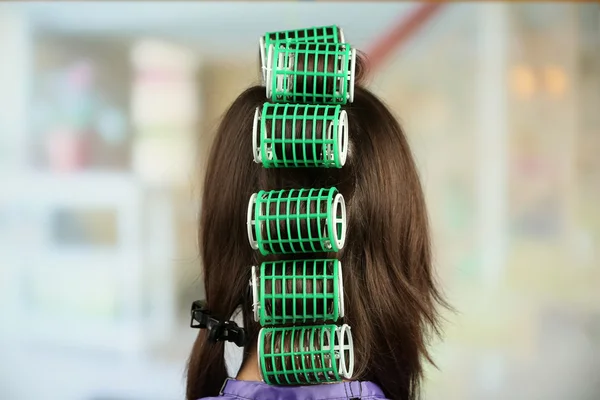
x=321 y=34
x=297 y=221
x=300 y=135
x=305 y=354
x=297 y=291
x=321 y=73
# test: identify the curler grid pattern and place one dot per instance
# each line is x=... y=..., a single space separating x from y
x=297 y=221
x=325 y=34
x=292 y=75
x=300 y=135
x=305 y=354
x=298 y=291
x=315 y=69
x=321 y=34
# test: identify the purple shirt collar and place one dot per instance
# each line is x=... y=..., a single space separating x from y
x=249 y=390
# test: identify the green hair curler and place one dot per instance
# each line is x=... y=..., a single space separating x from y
x=298 y=291
x=321 y=73
x=305 y=354
x=320 y=34
x=300 y=135
x=297 y=221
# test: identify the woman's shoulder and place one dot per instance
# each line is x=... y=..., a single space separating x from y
x=251 y=390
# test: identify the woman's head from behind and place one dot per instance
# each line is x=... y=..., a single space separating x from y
x=389 y=291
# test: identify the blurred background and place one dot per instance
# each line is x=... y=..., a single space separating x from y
x=106 y=114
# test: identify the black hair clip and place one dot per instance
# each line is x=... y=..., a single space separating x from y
x=217 y=330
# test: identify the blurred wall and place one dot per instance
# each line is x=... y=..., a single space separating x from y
x=106 y=124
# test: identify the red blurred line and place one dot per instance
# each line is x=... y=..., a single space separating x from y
x=400 y=33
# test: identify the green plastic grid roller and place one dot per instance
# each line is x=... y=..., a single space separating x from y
x=300 y=135
x=294 y=291
x=305 y=354
x=297 y=221
x=317 y=73
x=318 y=34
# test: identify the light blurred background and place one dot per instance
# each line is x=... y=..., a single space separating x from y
x=106 y=115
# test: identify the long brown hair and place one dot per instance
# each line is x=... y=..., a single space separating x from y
x=390 y=294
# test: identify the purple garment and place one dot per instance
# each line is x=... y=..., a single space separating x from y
x=247 y=390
